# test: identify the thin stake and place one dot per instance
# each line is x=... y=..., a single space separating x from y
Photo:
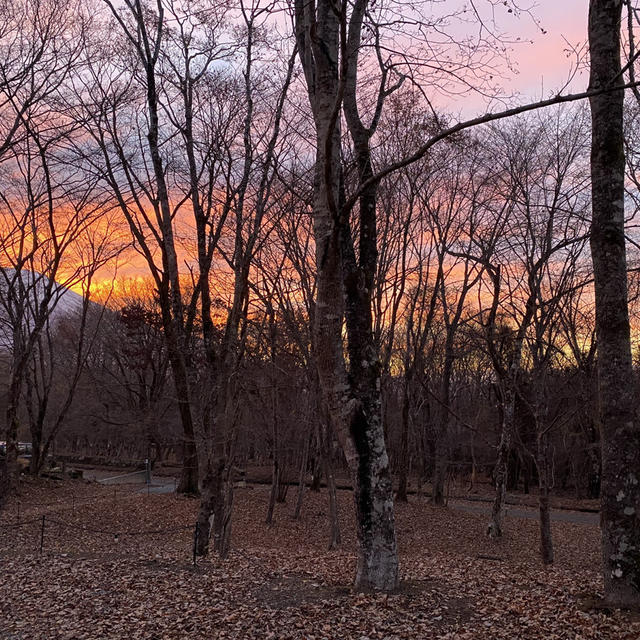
x=42 y=535
x=195 y=543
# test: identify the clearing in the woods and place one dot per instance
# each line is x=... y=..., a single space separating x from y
x=281 y=581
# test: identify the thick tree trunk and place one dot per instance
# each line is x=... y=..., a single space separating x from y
x=210 y=512
x=620 y=494
x=378 y=559
x=222 y=517
x=36 y=462
x=189 y=477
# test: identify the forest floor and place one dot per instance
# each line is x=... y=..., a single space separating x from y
x=281 y=581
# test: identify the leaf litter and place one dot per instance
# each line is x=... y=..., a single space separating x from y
x=120 y=566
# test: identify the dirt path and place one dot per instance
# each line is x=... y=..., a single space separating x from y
x=557 y=515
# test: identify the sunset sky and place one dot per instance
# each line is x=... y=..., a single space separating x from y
x=543 y=66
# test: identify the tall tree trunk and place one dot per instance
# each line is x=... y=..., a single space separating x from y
x=620 y=494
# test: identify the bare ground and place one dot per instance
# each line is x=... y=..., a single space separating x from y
x=281 y=582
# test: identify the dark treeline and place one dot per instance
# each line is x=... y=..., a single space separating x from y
x=320 y=288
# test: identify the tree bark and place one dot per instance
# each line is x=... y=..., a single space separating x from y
x=620 y=494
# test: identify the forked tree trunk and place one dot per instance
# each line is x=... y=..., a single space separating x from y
x=620 y=493
x=344 y=287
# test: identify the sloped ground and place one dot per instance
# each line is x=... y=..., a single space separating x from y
x=281 y=582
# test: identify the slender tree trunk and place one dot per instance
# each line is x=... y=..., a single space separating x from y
x=334 y=522
x=494 y=529
x=474 y=472
x=327 y=467
x=13 y=424
x=442 y=427
x=301 y=478
x=542 y=462
x=316 y=478
x=439 y=474
x=275 y=482
x=403 y=466
x=620 y=494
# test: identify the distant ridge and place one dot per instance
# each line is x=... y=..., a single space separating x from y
x=29 y=289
